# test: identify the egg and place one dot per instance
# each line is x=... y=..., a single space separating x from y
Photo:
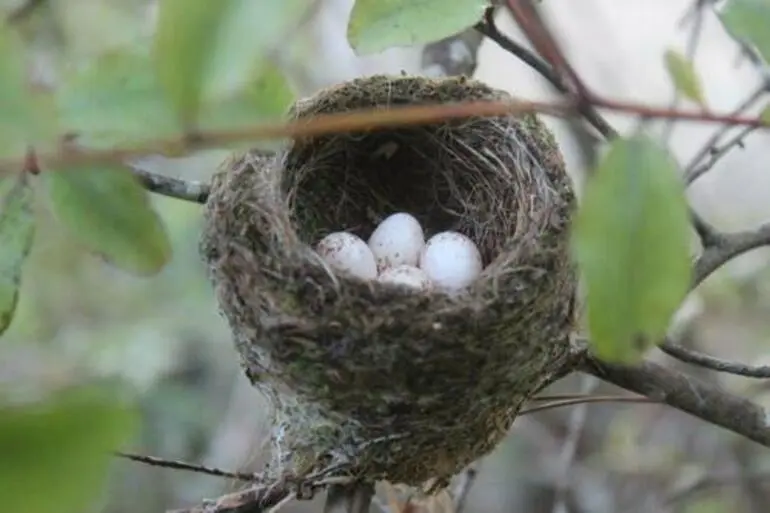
x=397 y=241
x=451 y=260
x=346 y=252
x=406 y=275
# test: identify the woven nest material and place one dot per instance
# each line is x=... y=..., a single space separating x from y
x=373 y=380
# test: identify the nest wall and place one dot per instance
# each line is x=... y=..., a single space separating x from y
x=380 y=381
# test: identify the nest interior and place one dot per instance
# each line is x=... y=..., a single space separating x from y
x=385 y=382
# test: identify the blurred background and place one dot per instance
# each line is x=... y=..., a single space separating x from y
x=79 y=318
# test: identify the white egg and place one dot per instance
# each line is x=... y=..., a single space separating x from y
x=451 y=260
x=406 y=275
x=397 y=241
x=345 y=252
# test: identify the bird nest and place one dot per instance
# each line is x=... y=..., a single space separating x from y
x=372 y=380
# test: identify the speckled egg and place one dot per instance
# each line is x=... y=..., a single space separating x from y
x=451 y=260
x=398 y=240
x=348 y=253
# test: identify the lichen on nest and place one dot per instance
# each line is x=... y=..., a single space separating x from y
x=376 y=381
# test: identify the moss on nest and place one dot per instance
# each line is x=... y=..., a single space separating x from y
x=376 y=381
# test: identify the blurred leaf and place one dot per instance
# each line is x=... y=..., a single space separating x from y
x=685 y=77
x=376 y=25
x=113 y=24
x=183 y=47
x=55 y=454
x=264 y=99
x=631 y=239
x=115 y=100
x=108 y=210
x=208 y=50
x=17 y=230
x=21 y=121
x=250 y=32
x=749 y=20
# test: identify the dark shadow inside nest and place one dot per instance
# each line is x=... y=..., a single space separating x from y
x=446 y=175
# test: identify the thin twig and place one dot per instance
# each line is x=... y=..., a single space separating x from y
x=584 y=400
x=467 y=480
x=708 y=147
x=188 y=190
x=693 y=357
x=716 y=153
x=570 y=397
x=190 y=467
x=488 y=27
x=531 y=23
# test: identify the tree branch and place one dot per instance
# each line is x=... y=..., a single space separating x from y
x=685 y=393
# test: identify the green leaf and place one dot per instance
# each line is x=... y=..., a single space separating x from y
x=17 y=230
x=685 y=77
x=21 y=121
x=109 y=211
x=266 y=98
x=376 y=25
x=56 y=453
x=116 y=100
x=749 y=20
x=209 y=50
x=631 y=240
x=183 y=45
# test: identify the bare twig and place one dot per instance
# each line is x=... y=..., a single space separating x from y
x=716 y=153
x=690 y=356
x=529 y=20
x=467 y=480
x=187 y=190
x=692 y=170
x=584 y=400
x=180 y=465
x=490 y=30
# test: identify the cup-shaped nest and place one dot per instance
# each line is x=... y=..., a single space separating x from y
x=373 y=379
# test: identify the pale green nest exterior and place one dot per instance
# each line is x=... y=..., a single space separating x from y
x=384 y=382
